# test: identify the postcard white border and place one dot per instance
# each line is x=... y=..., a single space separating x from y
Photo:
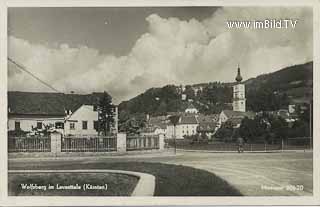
x=133 y=201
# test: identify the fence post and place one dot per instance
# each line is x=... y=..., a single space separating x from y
x=282 y=145
x=55 y=139
x=121 y=142
x=161 y=142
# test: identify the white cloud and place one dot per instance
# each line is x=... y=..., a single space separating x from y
x=172 y=51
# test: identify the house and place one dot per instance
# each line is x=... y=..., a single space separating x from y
x=155 y=126
x=152 y=130
x=234 y=116
x=207 y=128
x=191 y=109
x=71 y=114
x=186 y=126
x=285 y=114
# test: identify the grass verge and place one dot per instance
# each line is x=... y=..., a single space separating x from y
x=171 y=180
x=101 y=184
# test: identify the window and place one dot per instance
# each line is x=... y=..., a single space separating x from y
x=17 y=125
x=39 y=125
x=96 y=125
x=72 y=126
x=84 y=125
x=59 y=125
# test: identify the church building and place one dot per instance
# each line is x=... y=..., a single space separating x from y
x=236 y=115
x=239 y=98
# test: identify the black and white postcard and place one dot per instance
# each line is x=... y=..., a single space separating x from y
x=159 y=103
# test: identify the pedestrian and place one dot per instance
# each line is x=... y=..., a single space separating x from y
x=240 y=144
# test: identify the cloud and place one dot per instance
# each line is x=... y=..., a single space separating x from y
x=173 y=51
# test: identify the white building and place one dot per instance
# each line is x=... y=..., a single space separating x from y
x=191 y=109
x=71 y=114
x=186 y=126
x=84 y=121
x=239 y=98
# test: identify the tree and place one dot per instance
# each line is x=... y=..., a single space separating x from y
x=225 y=132
x=279 y=128
x=189 y=92
x=106 y=113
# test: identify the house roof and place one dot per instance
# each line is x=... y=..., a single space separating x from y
x=191 y=106
x=158 y=121
x=235 y=121
x=188 y=120
x=238 y=114
x=148 y=129
x=33 y=103
x=208 y=118
x=206 y=127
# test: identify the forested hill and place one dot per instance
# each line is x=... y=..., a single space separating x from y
x=278 y=89
x=266 y=92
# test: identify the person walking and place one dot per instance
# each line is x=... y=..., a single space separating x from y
x=240 y=144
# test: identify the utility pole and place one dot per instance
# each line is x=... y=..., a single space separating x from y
x=174 y=120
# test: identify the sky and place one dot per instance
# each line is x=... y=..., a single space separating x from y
x=126 y=51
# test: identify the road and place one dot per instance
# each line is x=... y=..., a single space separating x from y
x=254 y=174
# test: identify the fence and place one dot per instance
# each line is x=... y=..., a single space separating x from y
x=29 y=144
x=297 y=143
x=57 y=144
x=89 y=144
x=142 y=143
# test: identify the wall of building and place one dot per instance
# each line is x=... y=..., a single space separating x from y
x=191 y=110
x=26 y=123
x=84 y=113
x=181 y=130
x=222 y=118
x=239 y=100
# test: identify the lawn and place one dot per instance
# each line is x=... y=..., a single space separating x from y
x=171 y=180
x=109 y=184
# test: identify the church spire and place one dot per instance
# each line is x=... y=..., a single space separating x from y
x=238 y=78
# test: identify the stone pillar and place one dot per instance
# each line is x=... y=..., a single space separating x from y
x=55 y=138
x=121 y=142
x=161 y=141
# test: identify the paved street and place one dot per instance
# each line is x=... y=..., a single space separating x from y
x=254 y=174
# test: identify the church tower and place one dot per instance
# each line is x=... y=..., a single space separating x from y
x=239 y=97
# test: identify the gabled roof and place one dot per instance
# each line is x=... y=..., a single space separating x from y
x=188 y=120
x=238 y=114
x=148 y=129
x=208 y=118
x=33 y=103
x=191 y=106
x=207 y=127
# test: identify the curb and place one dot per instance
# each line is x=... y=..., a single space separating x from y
x=145 y=186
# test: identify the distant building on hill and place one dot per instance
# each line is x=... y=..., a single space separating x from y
x=191 y=109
